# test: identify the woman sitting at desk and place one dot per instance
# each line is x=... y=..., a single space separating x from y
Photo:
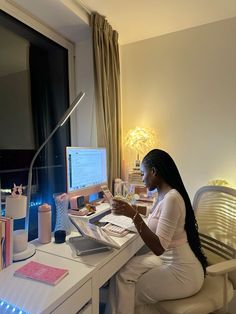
x=175 y=266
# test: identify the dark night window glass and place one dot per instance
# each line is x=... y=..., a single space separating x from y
x=34 y=95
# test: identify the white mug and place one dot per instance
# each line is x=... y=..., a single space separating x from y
x=20 y=240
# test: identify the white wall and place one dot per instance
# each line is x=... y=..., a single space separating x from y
x=183 y=85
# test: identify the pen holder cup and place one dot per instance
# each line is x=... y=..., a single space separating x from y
x=62 y=219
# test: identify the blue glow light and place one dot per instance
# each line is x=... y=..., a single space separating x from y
x=36 y=203
x=7 y=307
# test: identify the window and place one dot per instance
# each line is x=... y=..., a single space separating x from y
x=34 y=95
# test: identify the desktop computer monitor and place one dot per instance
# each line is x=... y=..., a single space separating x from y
x=86 y=170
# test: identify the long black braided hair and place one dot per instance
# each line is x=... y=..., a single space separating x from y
x=165 y=166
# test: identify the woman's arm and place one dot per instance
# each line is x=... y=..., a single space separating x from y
x=120 y=207
x=149 y=237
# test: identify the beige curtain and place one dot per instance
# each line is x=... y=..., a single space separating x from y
x=107 y=92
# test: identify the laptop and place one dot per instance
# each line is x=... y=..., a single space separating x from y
x=94 y=235
x=85 y=246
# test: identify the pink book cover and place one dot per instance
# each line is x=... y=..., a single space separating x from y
x=41 y=272
x=8 y=240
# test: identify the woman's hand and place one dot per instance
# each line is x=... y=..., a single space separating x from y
x=121 y=207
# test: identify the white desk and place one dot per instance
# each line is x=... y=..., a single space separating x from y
x=86 y=275
x=105 y=264
x=68 y=296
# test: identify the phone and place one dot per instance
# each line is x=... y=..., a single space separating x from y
x=107 y=193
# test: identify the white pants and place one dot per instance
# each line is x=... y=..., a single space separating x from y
x=148 y=278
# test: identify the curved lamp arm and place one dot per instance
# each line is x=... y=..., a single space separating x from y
x=62 y=121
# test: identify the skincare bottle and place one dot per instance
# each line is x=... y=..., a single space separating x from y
x=44 y=223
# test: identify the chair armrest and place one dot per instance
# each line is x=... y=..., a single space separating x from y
x=222 y=268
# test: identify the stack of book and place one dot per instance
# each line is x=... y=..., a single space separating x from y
x=135 y=177
x=6 y=237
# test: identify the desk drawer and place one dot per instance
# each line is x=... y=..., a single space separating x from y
x=76 y=301
x=86 y=310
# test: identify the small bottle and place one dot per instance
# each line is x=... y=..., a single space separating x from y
x=118 y=186
x=44 y=223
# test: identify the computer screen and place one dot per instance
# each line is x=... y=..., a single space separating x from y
x=86 y=168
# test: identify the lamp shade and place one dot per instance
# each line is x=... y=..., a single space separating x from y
x=16 y=206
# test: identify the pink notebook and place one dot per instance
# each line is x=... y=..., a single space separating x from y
x=41 y=272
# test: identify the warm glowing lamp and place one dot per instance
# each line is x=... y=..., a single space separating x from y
x=220 y=182
x=140 y=140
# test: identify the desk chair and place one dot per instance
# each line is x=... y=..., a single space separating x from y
x=215 y=209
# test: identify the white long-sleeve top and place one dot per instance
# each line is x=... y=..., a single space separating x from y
x=167 y=220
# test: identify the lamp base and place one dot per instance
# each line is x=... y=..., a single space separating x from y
x=21 y=256
x=137 y=164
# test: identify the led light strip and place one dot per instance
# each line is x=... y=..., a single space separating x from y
x=8 y=308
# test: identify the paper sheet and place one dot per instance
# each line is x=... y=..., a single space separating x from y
x=121 y=221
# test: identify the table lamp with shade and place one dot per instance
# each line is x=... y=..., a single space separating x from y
x=19 y=206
